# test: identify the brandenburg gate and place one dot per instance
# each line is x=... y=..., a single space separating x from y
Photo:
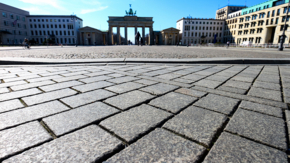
x=130 y=20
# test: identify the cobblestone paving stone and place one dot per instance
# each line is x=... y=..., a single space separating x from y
x=144 y=113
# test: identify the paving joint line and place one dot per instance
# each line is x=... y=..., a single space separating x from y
x=252 y=84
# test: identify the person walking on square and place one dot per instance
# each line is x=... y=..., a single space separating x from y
x=228 y=44
x=141 y=41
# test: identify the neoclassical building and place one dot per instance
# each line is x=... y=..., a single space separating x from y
x=92 y=36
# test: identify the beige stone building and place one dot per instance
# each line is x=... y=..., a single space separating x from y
x=12 y=31
x=170 y=36
x=260 y=24
x=92 y=36
x=222 y=13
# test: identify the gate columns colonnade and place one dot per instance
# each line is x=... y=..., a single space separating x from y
x=130 y=21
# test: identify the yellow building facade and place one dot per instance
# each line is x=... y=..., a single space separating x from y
x=260 y=25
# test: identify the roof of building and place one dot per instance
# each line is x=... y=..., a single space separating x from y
x=54 y=16
x=199 y=19
x=232 y=6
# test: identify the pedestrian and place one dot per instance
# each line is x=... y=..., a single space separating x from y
x=228 y=44
x=26 y=43
x=141 y=41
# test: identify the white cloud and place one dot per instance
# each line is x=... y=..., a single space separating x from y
x=85 y=11
x=53 y=3
x=36 y=10
x=91 y=2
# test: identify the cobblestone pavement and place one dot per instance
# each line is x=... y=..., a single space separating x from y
x=145 y=113
x=94 y=52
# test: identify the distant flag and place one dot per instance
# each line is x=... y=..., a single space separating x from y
x=15 y=22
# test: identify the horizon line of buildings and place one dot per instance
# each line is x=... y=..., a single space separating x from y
x=262 y=23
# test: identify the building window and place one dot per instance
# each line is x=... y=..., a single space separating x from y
x=4 y=14
x=60 y=32
x=59 y=26
x=268 y=14
x=56 y=32
x=282 y=27
x=277 y=21
x=48 y=32
x=68 y=33
x=44 y=33
x=273 y=13
x=18 y=25
x=51 y=26
x=284 y=17
x=64 y=26
x=38 y=20
x=267 y=22
x=55 y=26
x=73 y=32
x=43 y=26
x=272 y=21
x=42 y=20
x=55 y=20
x=39 y=26
x=59 y=20
x=278 y=12
x=36 y=33
x=24 y=26
x=35 y=26
x=46 y=20
x=50 y=20
x=32 y=33
x=64 y=32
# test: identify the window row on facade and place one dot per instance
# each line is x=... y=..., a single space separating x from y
x=50 y=20
x=192 y=22
x=57 y=40
x=44 y=33
x=12 y=16
x=69 y=26
x=8 y=23
x=199 y=34
x=187 y=28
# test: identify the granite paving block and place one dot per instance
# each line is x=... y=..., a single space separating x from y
x=217 y=78
x=197 y=124
x=92 y=86
x=75 y=73
x=16 y=117
x=243 y=97
x=53 y=73
x=259 y=127
x=7 y=76
x=64 y=79
x=159 y=89
x=44 y=78
x=160 y=146
x=86 y=98
x=3 y=85
x=10 y=105
x=21 y=78
x=4 y=90
x=57 y=86
x=90 y=144
x=232 y=89
x=208 y=83
x=191 y=92
x=168 y=76
x=99 y=73
x=173 y=102
x=19 y=94
x=286 y=92
x=22 y=137
x=44 y=97
x=31 y=85
x=238 y=84
x=232 y=148
x=243 y=79
x=269 y=78
x=287 y=112
x=115 y=75
x=123 y=79
x=265 y=93
x=126 y=100
x=183 y=80
x=135 y=122
x=193 y=77
x=146 y=82
x=125 y=87
x=204 y=73
x=265 y=109
x=266 y=85
x=73 y=119
x=218 y=103
x=95 y=79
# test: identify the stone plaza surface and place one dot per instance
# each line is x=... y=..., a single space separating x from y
x=95 y=52
x=144 y=113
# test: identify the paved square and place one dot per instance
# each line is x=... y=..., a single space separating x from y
x=218 y=103
x=197 y=124
x=127 y=112
x=260 y=127
x=135 y=122
x=173 y=102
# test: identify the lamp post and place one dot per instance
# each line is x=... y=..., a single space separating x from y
x=283 y=34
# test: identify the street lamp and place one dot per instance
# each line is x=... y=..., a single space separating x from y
x=283 y=34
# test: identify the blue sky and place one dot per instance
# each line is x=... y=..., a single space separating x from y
x=95 y=13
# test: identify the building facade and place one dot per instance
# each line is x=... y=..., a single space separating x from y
x=195 y=31
x=260 y=24
x=59 y=29
x=222 y=13
x=13 y=25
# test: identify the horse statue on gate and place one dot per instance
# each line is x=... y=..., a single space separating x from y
x=137 y=36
